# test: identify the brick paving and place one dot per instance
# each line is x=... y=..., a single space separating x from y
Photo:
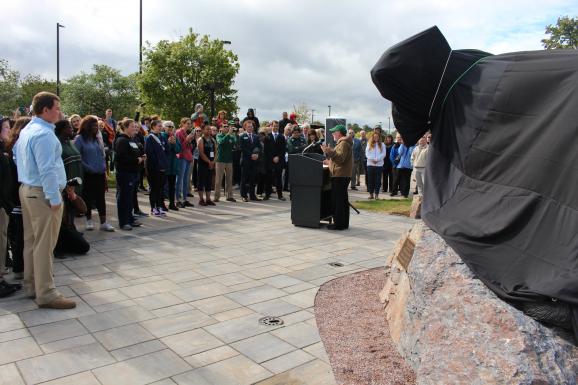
x=178 y=300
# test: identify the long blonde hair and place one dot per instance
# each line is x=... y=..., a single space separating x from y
x=371 y=142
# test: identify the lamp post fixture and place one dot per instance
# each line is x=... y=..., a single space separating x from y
x=140 y=40
x=58 y=26
x=388 y=124
x=329 y=110
x=312 y=112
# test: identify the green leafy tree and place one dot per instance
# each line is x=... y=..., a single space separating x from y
x=33 y=84
x=178 y=74
x=9 y=89
x=563 y=35
x=93 y=93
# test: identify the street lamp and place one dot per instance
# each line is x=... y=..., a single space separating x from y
x=225 y=42
x=58 y=26
x=388 y=124
x=140 y=40
x=212 y=87
x=312 y=112
x=329 y=110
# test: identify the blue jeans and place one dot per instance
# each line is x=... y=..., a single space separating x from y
x=182 y=182
x=374 y=179
x=126 y=183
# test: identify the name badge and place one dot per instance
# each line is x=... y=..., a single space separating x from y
x=212 y=154
x=134 y=145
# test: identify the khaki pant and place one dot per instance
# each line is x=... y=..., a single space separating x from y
x=3 y=240
x=227 y=169
x=41 y=228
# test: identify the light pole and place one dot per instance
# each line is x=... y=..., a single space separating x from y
x=329 y=110
x=58 y=26
x=388 y=124
x=312 y=112
x=140 y=40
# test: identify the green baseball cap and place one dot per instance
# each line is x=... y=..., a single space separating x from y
x=341 y=128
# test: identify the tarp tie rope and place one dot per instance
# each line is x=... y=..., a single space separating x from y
x=439 y=85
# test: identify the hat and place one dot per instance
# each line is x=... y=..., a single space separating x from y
x=341 y=128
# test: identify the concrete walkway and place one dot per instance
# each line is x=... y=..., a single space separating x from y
x=179 y=300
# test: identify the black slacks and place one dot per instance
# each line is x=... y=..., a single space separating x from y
x=93 y=193
x=156 y=181
x=248 y=179
x=340 y=202
x=402 y=180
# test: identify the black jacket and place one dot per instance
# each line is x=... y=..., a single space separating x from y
x=9 y=181
x=127 y=153
x=275 y=148
x=248 y=148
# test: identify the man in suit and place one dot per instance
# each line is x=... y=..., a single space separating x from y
x=250 y=150
x=275 y=148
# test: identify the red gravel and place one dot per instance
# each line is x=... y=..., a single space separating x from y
x=355 y=333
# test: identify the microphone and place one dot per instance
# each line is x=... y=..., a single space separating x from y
x=77 y=181
x=318 y=143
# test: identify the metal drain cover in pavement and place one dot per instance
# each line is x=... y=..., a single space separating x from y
x=336 y=264
x=271 y=321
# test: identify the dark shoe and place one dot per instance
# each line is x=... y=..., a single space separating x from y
x=267 y=197
x=358 y=184
x=202 y=202
x=282 y=198
x=190 y=195
x=210 y=203
x=256 y=199
x=188 y=204
x=231 y=200
x=59 y=303
x=173 y=207
x=140 y=214
x=6 y=289
x=333 y=227
x=126 y=227
x=245 y=199
x=393 y=194
x=136 y=224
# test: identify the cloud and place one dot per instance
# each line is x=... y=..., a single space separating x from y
x=317 y=52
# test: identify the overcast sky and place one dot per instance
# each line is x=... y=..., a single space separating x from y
x=290 y=51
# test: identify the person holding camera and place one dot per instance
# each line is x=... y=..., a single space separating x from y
x=250 y=150
x=185 y=136
x=226 y=141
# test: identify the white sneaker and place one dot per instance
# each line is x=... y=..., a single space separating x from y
x=89 y=225
x=106 y=227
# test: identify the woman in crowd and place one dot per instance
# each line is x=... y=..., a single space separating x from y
x=388 y=166
x=419 y=161
x=194 y=179
x=128 y=160
x=6 y=203
x=207 y=148
x=313 y=137
x=221 y=118
x=69 y=239
x=375 y=154
x=75 y=122
x=185 y=137
x=94 y=168
x=16 y=227
x=156 y=165
x=172 y=148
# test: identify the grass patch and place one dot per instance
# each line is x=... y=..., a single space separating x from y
x=388 y=206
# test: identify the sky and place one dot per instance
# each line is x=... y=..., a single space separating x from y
x=318 y=52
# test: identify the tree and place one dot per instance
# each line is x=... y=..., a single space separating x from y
x=178 y=74
x=303 y=113
x=33 y=84
x=563 y=35
x=93 y=93
x=9 y=89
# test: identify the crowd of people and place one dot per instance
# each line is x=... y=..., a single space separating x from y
x=59 y=168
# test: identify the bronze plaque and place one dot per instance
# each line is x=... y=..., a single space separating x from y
x=406 y=253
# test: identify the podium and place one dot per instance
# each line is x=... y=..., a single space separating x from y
x=310 y=190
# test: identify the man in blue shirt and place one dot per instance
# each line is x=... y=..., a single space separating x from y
x=41 y=172
x=401 y=160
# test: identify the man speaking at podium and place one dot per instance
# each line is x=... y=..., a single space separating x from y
x=340 y=166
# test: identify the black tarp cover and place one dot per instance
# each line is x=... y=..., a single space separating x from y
x=502 y=175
